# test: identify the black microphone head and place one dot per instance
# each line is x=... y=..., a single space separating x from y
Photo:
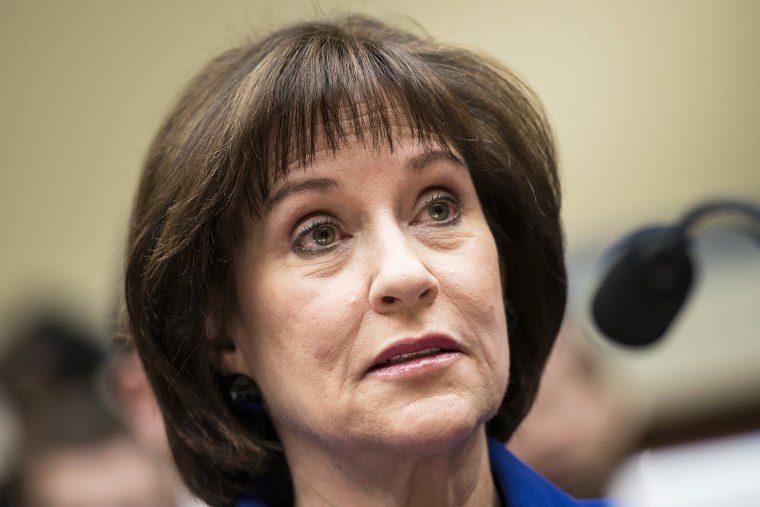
x=645 y=287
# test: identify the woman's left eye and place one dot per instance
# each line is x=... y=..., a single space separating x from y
x=439 y=208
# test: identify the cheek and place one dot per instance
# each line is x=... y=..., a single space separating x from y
x=304 y=326
x=479 y=283
x=475 y=288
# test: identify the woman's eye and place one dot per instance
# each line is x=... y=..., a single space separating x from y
x=439 y=208
x=323 y=235
x=316 y=235
x=439 y=211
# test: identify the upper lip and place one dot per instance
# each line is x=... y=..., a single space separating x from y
x=411 y=345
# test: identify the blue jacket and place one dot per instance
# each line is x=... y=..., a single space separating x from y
x=519 y=485
x=523 y=487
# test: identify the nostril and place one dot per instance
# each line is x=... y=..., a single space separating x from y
x=388 y=299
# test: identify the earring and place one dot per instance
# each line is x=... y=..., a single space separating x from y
x=511 y=318
x=243 y=393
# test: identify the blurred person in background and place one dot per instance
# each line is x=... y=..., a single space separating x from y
x=585 y=420
x=129 y=387
x=72 y=450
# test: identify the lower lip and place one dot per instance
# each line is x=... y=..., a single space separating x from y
x=414 y=367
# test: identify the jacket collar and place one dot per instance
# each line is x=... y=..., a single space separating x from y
x=521 y=486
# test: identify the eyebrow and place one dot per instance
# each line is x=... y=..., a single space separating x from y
x=419 y=162
x=323 y=186
x=318 y=185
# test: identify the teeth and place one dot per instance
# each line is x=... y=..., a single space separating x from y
x=411 y=355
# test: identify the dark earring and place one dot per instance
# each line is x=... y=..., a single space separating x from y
x=243 y=394
x=511 y=318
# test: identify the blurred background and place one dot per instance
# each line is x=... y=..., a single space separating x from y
x=656 y=107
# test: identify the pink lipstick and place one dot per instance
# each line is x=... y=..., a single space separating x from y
x=415 y=355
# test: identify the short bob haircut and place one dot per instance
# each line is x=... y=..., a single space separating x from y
x=257 y=111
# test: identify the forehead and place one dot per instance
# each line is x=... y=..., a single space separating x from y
x=414 y=150
x=411 y=157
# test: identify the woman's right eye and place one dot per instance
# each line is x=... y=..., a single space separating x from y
x=316 y=235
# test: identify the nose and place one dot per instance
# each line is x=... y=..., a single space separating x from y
x=401 y=281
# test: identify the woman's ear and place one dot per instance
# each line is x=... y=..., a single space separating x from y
x=219 y=323
x=231 y=362
x=222 y=331
x=216 y=332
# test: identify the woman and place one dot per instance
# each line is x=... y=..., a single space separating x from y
x=345 y=269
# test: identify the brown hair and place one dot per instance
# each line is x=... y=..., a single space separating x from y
x=262 y=107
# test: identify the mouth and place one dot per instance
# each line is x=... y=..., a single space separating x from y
x=409 y=356
x=415 y=354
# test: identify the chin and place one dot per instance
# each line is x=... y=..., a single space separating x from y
x=431 y=426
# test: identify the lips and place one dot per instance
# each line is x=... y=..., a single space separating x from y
x=414 y=350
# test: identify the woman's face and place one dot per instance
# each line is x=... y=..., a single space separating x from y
x=369 y=304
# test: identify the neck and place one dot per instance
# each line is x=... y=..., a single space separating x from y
x=459 y=475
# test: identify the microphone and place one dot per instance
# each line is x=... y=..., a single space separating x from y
x=643 y=291
x=651 y=276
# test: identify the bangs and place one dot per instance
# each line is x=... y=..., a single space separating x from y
x=321 y=89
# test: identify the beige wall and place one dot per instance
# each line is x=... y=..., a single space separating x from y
x=656 y=106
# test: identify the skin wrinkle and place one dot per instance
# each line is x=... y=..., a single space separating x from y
x=414 y=253
x=378 y=488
